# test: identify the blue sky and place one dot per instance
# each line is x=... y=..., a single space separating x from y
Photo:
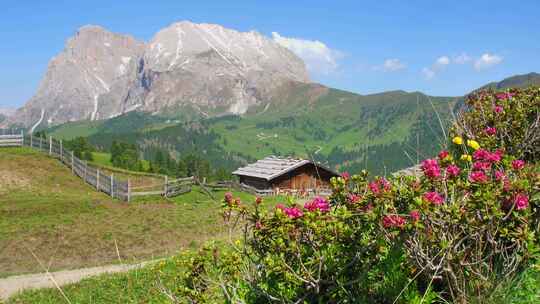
x=439 y=49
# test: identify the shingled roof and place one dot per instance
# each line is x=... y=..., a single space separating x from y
x=271 y=167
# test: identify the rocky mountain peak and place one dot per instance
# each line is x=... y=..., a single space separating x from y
x=204 y=67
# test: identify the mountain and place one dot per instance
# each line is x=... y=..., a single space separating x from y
x=517 y=81
x=212 y=70
x=5 y=113
x=187 y=69
x=87 y=80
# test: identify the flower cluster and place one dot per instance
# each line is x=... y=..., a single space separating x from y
x=319 y=204
x=379 y=186
x=433 y=197
x=393 y=220
x=431 y=168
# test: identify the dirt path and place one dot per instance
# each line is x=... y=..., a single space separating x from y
x=12 y=285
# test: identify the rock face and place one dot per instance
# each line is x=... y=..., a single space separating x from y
x=205 y=68
x=80 y=83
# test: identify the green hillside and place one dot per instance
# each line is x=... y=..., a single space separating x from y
x=381 y=132
x=49 y=212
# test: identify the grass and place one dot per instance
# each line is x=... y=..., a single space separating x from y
x=104 y=159
x=67 y=224
x=136 y=286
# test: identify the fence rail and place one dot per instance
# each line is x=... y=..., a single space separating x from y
x=11 y=140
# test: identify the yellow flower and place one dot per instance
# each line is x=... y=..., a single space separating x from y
x=473 y=144
x=466 y=157
x=457 y=140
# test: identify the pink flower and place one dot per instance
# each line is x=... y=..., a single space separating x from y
x=228 y=197
x=480 y=154
x=485 y=155
x=280 y=206
x=237 y=202
x=478 y=177
x=491 y=131
x=498 y=109
x=452 y=171
x=345 y=175
x=518 y=164
x=385 y=184
x=258 y=225
x=431 y=168
x=379 y=185
x=393 y=220
x=443 y=154
x=503 y=96
x=495 y=157
x=293 y=212
x=522 y=201
x=433 y=197
x=317 y=203
x=353 y=198
x=415 y=215
x=499 y=175
x=374 y=187
x=480 y=165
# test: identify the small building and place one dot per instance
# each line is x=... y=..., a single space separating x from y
x=276 y=174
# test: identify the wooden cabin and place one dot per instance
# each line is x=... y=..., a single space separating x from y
x=284 y=174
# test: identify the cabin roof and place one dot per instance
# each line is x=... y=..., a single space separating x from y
x=271 y=167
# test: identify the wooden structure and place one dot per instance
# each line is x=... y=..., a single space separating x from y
x=277 y=174
x=11 y=139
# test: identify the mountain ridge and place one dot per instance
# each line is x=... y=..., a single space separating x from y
x=206 y=67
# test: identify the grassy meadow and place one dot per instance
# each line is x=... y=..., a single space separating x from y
x=51 y=213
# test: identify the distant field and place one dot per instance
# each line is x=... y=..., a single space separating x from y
x=104 y=159
x=67 y=224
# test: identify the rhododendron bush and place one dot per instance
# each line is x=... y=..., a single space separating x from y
x=507 y=120
x=469 y=220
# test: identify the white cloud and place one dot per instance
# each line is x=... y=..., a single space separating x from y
x=462 y=58
x=439 y=65
x=391 y=65
x=319 y=58
x=486 y=61
x=442 y=61
x=428 y=73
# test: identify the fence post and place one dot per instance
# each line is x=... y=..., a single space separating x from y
x=129 y=191
x=50 y=144
x=166 y=184
x=112 y=185
x=97 y=179
x=31 y=140
x=72 y=163
x=22 y=138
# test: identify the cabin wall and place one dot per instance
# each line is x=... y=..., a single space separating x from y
x=303 y=178
x=257 y=183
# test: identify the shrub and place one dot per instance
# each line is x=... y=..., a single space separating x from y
x=508 y=120
x=454 y=233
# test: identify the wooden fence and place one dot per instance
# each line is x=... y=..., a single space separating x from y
x=11 y=140
x=99 y=179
